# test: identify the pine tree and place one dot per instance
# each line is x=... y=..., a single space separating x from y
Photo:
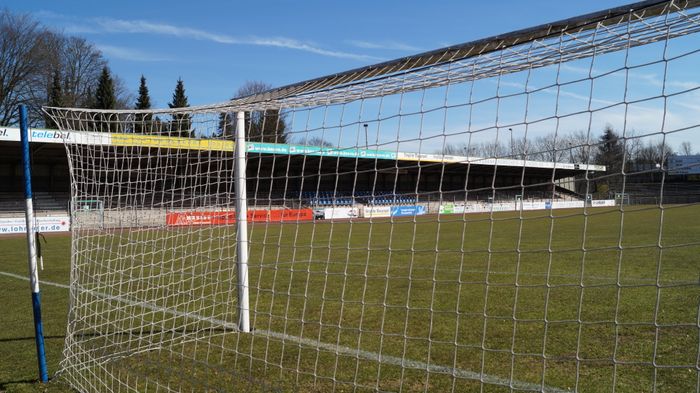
x=144 y=100
x=105 y=99
x=227 y=125
x=55 y=98
x=182 y=122
x=610 y=150
x=143 y=122
x=104 y=95
x=611 y=153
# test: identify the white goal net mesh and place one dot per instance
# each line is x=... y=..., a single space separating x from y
x=519 y=213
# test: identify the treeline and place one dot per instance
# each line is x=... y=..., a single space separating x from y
x=37 y=63
x=40 y=67
x=609 y=149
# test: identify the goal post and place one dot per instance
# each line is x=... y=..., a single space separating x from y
x=453 y=221
x=242 y=224
x=89 y=212
x=32 y=251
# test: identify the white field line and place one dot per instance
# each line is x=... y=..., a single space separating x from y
x=334 y=348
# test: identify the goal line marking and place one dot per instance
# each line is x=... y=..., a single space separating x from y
x=338 y=349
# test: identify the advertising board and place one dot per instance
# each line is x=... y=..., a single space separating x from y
x=200 y=218
x=477 y=207
x=228 y=217
x=41 y=224
x=321 y=151
x=684 y=164
x=404 y=211
x=333 y=213
x=603 y=202
x=447 y=208
x=376 y=211
x=567 y=204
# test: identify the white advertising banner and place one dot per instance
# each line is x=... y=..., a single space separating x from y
x=54 y=136
x=376 y=211
x=567 y=204
x=42 y=224
x=332 y=213
x=479 y=207
x=603 y=202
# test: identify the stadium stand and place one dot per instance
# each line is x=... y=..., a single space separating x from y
x=652 y=193
x=43 y=201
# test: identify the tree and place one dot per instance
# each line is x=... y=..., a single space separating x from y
x=227 y=125
x=26 y=59
x=143 y=121
x=144 y=100
x=610 y=151
x=104 y=95
x=579 y=144
x=653 y=155
x=104 y=99
x=686 y=149
x=55 y=98
x=315 y=141
x=182 y=122
x=551 y=148
x=269 y=125
x=483 y=149
x=35 y=63
x=82 y=65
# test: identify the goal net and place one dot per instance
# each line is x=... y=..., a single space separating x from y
x=518 y=213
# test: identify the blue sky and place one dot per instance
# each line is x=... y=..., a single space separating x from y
x=215 y=46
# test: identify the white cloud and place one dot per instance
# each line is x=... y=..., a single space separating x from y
x=652 y=79
x=384 y=45
x=110 y=25
x=119 y=52
x=146 y=27
x=71 y=28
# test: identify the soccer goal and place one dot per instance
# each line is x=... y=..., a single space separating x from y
x=88 y=212
x=441 y=222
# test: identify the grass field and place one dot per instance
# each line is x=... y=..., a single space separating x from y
x=564 y=302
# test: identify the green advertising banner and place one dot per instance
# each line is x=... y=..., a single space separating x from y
x=447 y=208
x=274 y=148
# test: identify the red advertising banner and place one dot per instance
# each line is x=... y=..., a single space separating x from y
x=280 y=215
x=200 y=218
x=229 y=217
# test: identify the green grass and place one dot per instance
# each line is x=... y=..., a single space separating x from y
x=590 y=302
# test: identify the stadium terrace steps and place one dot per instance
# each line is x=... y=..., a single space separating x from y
x=43 y=201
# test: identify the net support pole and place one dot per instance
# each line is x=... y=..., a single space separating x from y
x=31 y=247
x=242 y=224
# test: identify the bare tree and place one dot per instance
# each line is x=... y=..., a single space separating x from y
x=653 y=154
x=686 y=149
x=550 y=148
x=315 y=141
x=261 y=126
x=520 y=147
x=25 y=66
x=458 y=149
x=579 y=144
x=34 y=62
x=82 y=64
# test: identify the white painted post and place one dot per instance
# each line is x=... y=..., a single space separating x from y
x=242 y=224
